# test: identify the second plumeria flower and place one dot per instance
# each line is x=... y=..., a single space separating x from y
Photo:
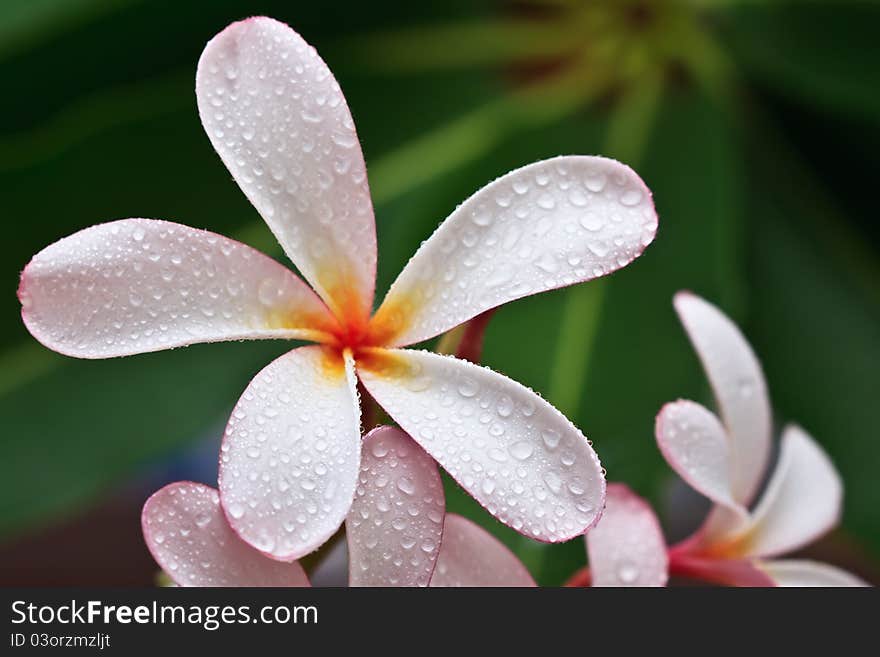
x=291 y=453
x=726 y=460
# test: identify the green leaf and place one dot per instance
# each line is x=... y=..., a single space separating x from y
x=69 y=436
x=815 y=324
x=823 y=54
x=26 y=22
x=628 y=130
x=800 y=315
x=479 y=42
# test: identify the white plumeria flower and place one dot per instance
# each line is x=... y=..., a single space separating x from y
x=394 y=532
x=291 y=454
x=726 y=459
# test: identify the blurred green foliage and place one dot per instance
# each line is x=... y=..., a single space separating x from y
x=756 y=124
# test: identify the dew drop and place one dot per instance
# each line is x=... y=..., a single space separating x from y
x=468 y=387
x=546 y=202
x=595 y=182
x=591 y=222
x=268 y=292
x=551 y=438
x=627 y=573
x=505 y=406
x=553 y=481
x=406 y=485
x=631 y=197
x=482 y=218
x=521 y=450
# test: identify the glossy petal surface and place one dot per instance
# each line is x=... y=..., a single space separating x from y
x=695 y=445
x=470 y=556
x=189 y=537
x=546 y=225
x=740 y=390
x=626 y=547
x=138 y=285
x=803 y=499
x=510 y=449
x=290 y=457
x=396 y=520
x=800 y=572
x=277 y=117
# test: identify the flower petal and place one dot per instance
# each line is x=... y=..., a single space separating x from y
x=470 y=556
x=802 y=501
x=801 y=572
x=186 y=532
x=727 y=572
x=278 y=119
x=740 y=391
x=510 y=449
x=696 y=446
x=626 y=547
x=547 y=225
x=137 y=285
x=291 y=453
x=396 y=520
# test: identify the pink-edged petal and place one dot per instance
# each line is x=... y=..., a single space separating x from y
x=694 y=443
x=396 y=521
x=803 y=499
x=291 y=454
x=278 y=119
x=722 y=527
x=516 y=454
x=740 y=390
x=138 y=285
x=728 y=572
x=800 y=572
x=626 y=547
x=470 y=556
x=186 y=532
x=546 y=225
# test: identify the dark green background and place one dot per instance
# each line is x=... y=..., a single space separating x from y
x=763 y=171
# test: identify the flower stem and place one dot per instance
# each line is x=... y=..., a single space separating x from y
x=577 y=332
x=466 y=340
